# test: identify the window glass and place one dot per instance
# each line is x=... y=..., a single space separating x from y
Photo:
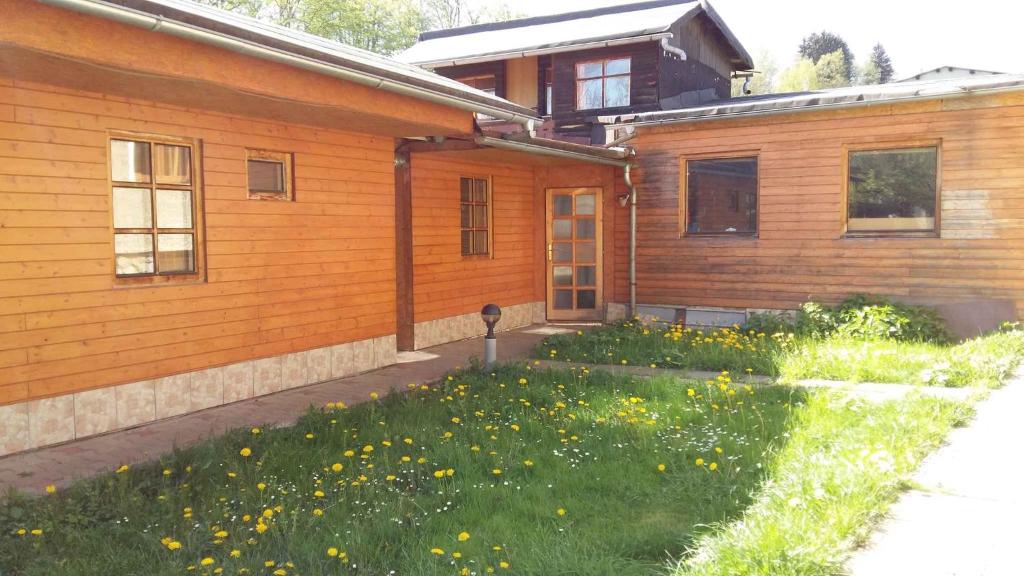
x=893 y=190
x=172 y=164
x=133 y=254
x=721 y=196
x=616 y=91
x=589 y=70
x=266 y=176
x=129 y=161
x=588 y=94
x=620 y=66
x=174 y=208
x=132 y=208
x=475 y=216
x=153 y=178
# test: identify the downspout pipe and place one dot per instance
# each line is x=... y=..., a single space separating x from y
x=227 y=42
x=627 y=177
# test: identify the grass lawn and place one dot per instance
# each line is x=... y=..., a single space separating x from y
x=984 y=361
x=519 y=472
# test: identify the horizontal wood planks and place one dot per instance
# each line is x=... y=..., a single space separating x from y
x=800 y=251
x=281 y=276
x=444 y=282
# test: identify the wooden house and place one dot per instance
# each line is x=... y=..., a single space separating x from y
x=197 y=208
x=575 y=67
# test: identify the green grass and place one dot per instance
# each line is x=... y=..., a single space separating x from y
x=984 y=361
x=595 y=442
x=845 y=462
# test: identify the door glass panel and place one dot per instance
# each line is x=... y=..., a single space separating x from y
x=129 y=161
x=585 y=204
x=133 y=254
x=479 y=216
x=466 y=189
x=563 y=299
x=561 y=252
x=132 y=208
x=563 y=275
x=467 y=216
x=467 y=242
x=586 y=275
x=563 y=205
x=586 y=299
x=561 y=229
x=172 y=164
x=176 y=253
x=585 y=252
x=480 y=242
x=479 y=190
x=173 y=209
x=585 y=229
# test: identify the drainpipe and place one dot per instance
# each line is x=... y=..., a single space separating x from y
x=628 y=178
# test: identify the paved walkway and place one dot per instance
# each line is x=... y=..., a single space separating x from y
x=62 y=464
x=865 y=390
x=964 y=517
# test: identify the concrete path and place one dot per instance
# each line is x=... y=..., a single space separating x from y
x=866 y=390
x=62 y=464
x=965 y=517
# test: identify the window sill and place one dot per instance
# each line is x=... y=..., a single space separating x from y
x=712 y=236
x=487 y=256
x=164 y=280
x=891 y=235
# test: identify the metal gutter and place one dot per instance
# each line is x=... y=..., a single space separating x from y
x=541 y=51
x=491 y=142
x=152 y=23
x=754 y=113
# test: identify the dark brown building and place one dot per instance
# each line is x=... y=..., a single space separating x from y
x=577 y=68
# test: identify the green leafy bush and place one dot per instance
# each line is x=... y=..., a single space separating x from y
x=862 y=317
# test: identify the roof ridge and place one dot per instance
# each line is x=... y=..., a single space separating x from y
x=550 y=18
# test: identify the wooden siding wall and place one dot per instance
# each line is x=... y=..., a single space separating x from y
x=800 y=252
x=643 y=84
x=444 y=282
x=282 y=276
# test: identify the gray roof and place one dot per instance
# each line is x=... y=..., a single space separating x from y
x=622 y=24
x=948 y=69
x=830 y=98
x=309 y=46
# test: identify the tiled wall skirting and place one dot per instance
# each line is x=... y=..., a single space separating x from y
x=452 y=328
x=54 y=420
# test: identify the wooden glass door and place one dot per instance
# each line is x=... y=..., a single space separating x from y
x=574 y=254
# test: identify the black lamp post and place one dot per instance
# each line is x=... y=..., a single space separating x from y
x=490 y=313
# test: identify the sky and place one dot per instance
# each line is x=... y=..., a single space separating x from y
x=919 y=35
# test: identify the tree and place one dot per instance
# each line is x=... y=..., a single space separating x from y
x=831 y=70
x=817 y=45
x=800 y=77
x=381 y=26
x=869 y=74
x=880 y=59
x=763 y=80
x=441 y=14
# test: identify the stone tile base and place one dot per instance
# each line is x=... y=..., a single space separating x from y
x=47 y=421
x=452 y=328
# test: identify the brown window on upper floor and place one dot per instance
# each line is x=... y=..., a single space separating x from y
x=602 y=83
x=269 y=175
x=475 y=213
x=156 y=210
x=720 y=196
x=892 y=191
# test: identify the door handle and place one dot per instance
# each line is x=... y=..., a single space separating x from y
x=550 y=253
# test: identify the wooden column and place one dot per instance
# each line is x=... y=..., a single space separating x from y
x=403 y=248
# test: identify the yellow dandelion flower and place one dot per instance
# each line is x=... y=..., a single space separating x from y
x=374 y=395
x=437 y=551
x=390 y=477
x=318 y=512
x=174 y=545
x=368 y=448
x=456 y=555
x=337 y=467
x=463 y=536
x=699 y=462
x=503 y=564
x=332 y=552
x=50 y=489
x=438 y=473
x=407 y=441
x=496 y=471
x=261 y=486
x=528 y=463
x=122 y=469
x=255 y=431
x=167 y=471
x=456 y=420
x=713 y=466
x=221 y=534
x=235 y=553
x=245 y=452
x=319 y=494
x=661 y=467
x=206 y=561
x=560 y=511
x=349 y=453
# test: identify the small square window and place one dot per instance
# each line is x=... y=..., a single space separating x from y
x=269 y=175
x=721 y=196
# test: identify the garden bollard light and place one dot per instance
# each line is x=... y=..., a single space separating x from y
x=490 y=313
